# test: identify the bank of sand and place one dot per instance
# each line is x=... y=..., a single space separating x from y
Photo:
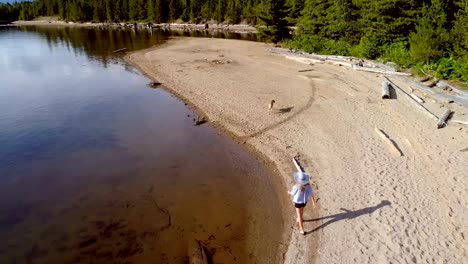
x=374 y=207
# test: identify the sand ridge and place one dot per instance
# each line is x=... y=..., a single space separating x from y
x=374 y=207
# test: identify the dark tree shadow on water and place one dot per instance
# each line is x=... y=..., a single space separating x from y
x=347 y=215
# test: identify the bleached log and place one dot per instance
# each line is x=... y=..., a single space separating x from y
x=385 y=90
x=298 y=166
x=418 y=99
x=359 y=68
x=389 y=142
x=443 y=118
x=459 y=122
x=420 y=106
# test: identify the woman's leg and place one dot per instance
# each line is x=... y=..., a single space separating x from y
x=299 y=218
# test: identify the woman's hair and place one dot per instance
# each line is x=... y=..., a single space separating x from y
x=302 y=187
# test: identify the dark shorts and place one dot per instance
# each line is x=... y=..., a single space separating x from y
x=300 y=205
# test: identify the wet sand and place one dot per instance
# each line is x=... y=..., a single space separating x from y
x=374 y=207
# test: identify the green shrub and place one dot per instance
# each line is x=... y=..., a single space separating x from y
x=307 y=43
x=449 y=68
x=460 y=69
x=398 y=53
x=444 y=68
x=370 y=46
x=319 y=45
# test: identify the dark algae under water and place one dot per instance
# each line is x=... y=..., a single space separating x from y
x=97 y=167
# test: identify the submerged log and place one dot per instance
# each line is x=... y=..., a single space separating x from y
x=155 y=84
x=389 y=142
x=443 y=118
x=200 y=121
x=385 y=90
x=199 y=255
x=120 y=50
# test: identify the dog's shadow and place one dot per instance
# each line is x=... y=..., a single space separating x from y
x=285 y=110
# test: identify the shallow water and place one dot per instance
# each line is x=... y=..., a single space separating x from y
x=95 y=166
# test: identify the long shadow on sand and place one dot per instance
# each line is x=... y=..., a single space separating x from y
x=347 y=215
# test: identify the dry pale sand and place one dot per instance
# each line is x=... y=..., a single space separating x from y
x=374 y=207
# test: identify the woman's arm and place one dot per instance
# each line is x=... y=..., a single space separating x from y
x=313 y=201
x=312 y=197
x=293 y=190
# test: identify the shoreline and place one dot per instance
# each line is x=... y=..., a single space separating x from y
x=267 y=162
x=187 y=27
x=231 y=82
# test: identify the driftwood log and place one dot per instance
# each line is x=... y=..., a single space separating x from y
x=420 y=106
x=367 y=69
x=417 y=98
x=389 y=142
x=385 y=90
x=443 y=118
x=459 y=122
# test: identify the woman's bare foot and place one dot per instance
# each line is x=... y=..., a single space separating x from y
x=302 y=232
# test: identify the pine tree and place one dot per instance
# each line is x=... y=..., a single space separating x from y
x=117 y=10
x=151 y=11
x=313 y=20
x=430 y=40
x=341 y=20
x=109 y=10
x=460 y=30
x=173 y=10
x=296 y=6
x=274 y=14
x=133 y=10
x=220 y=10
x=124 y=11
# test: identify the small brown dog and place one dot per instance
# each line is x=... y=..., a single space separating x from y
x=270 y=106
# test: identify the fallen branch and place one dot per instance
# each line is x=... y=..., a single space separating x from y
x=443 y=118
x=420 y=106
x=389 y=142
x=359 y=68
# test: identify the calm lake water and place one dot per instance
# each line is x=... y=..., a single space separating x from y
x=97 y=167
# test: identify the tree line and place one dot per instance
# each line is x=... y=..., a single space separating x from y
x=425 y=34
x=429 y=34
x=158 y=11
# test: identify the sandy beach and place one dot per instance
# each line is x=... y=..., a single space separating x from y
x=374 y=206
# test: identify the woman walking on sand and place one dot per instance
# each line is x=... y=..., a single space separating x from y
x=300 y=193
